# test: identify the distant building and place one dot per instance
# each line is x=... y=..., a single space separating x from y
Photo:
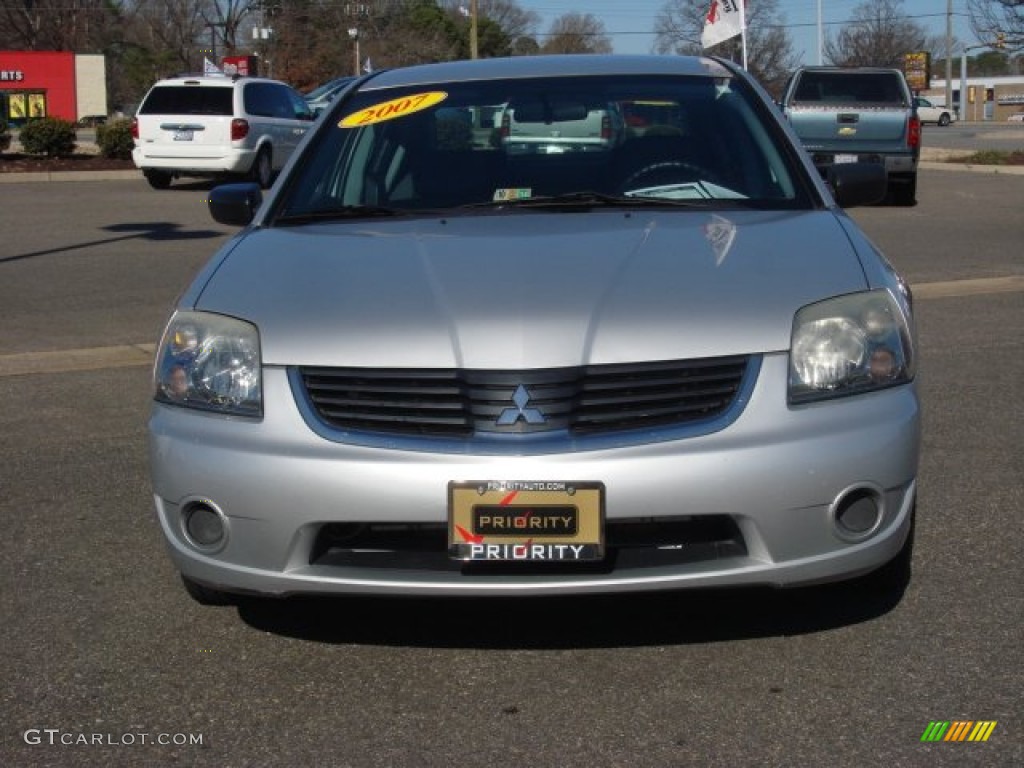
x=51 y=83
x=992 y=98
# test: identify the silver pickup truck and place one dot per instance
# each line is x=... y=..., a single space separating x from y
x=862 y=114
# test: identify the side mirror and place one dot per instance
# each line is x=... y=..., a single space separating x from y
x=856 y=184
x=235 y=204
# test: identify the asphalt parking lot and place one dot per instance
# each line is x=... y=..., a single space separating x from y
x=106 y=660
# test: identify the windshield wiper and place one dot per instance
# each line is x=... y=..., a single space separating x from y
x=340 y=212
x=586 y=200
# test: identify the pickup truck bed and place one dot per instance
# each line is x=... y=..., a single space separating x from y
x=844 y=115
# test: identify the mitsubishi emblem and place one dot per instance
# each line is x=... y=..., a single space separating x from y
x=510 y=416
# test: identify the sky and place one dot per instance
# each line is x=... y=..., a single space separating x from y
x=630 y=23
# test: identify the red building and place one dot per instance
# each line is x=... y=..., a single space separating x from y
x=50 y=83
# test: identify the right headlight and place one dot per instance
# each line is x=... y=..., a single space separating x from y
x=849 y=345
x=210 y=362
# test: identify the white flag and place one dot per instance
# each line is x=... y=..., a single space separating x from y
x=724 y=21
x=209 y=68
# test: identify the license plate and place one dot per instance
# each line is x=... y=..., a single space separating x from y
x=183 y=135
x=526 y=521
x=839 y=159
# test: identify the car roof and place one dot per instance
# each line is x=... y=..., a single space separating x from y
x=846 y=70
x=225 y=81
x=578 y=65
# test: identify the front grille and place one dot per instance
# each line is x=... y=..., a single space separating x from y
x=585 y=400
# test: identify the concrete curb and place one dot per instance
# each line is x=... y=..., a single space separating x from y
x=1006 y=170
x=15 y=178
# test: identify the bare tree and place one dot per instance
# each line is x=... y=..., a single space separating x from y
x=990 y=18
x=879 y=34
x=175 y=27
x=770 y=58
x=311 y=42
x=577 y=33
x=408 y=32
x=503 y=18
x=514 y=20
x=56 y=25
x=226 y=17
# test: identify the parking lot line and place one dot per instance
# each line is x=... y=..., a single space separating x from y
x=950 y=288
x=72 y=360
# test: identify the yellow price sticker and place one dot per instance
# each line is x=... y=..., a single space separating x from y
x=389 y=110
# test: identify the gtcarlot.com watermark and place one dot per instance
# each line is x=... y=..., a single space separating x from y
x=59 y=737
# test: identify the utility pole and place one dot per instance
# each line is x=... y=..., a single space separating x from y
x=354 y=34
x=821 y=38
x=474 y=49
x=949 y=57
x=359 y=12
x=261 y=46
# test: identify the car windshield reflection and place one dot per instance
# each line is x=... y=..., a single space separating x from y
x=463 y=146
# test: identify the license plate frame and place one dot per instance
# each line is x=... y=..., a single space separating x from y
x=504 y=521
x=184 y=135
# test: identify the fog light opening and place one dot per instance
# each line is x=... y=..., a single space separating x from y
x=857 y=512
x=204 y=526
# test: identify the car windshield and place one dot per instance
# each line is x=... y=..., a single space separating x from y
x=499 y=145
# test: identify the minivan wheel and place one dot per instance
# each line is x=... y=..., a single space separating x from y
x=262 y=170
x=158 y=179
x=944 y=119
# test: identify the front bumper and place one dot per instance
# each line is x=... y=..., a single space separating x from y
x=773 y=475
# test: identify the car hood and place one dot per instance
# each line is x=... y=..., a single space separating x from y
x=532 y=289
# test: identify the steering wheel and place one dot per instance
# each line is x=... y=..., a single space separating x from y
x=669 y=170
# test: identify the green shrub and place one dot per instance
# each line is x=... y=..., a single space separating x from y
x=115 y=139
x=48 y=136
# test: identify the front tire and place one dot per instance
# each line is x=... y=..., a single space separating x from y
x=944 y=119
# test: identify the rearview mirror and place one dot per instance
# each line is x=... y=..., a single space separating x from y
x=561 y=111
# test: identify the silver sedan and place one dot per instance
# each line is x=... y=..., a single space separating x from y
x=439 y=359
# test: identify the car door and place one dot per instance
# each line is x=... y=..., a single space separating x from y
x=300 y=118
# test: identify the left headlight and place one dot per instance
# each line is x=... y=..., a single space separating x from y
x=849 y=345
x=210 y=362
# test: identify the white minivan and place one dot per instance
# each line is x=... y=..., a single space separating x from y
x=214 y=125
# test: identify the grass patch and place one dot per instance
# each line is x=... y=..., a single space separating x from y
x=992 y=157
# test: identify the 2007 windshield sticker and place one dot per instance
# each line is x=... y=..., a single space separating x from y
x=389 y=110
